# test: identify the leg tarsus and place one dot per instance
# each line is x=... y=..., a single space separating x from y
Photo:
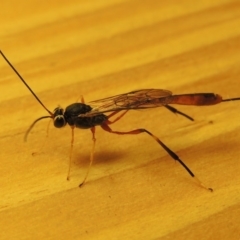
x=202 y=185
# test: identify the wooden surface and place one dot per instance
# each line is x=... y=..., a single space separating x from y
x=65 y=49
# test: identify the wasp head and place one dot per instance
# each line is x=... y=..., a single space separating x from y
x=59 y=120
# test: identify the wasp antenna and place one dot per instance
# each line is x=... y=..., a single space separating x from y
x=21 y=78
x=32 y=125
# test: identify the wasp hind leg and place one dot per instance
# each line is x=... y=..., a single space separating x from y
x=168 y=150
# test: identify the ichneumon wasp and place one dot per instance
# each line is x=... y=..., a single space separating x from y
x=99 y=113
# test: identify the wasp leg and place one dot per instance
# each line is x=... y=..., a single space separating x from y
x=174 y=110
x=70 y=154
x=168 y=150
x=91 y=157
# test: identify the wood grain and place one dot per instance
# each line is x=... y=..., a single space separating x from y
x=65 y=49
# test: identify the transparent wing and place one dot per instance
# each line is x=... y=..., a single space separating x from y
x=139 y=99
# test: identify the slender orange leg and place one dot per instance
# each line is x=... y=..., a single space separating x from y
x=91 y=157
x=70 y=155
x=92 y=152
x=168 y=150
x=71 y=149
x=94 y=143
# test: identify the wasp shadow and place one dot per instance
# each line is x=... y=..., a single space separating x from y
x=100 y=157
